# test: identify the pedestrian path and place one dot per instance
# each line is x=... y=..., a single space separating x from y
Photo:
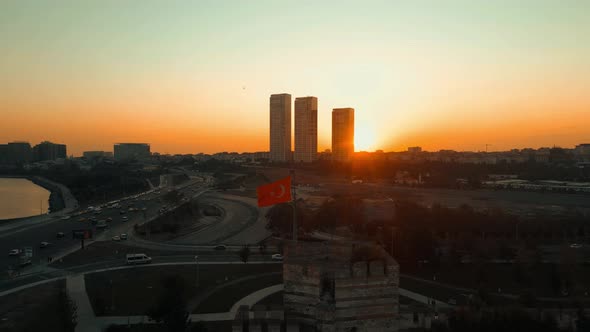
x=424 y=299
x=196 y=301
x=76 y=287
x=249 y=300
x=255 y=297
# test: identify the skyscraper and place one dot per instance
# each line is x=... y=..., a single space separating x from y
x=342 y=134
x=280 y=127
x=306 y=129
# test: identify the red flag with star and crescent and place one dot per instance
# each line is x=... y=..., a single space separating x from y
x=274 y=193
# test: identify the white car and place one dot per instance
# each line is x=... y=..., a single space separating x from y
x=277 y=257
x=138 y=259
x=14 y=252
x=575 y=246
x=124 y=219
x=65 y=217
x=123 y=236
x=44 y=244
x=116 y=238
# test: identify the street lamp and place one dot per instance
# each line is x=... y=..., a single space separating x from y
x=112 y=296
x=197 y=262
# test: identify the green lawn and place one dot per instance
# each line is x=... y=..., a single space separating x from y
x=32 y=309
x=223 y=299
x=537 y=279
x=272 y=300
x=133 y=291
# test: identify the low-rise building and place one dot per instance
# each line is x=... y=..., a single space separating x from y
x=131 y=151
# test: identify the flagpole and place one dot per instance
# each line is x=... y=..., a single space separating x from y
x=294 y=204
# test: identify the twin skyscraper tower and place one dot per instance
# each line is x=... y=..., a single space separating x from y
x=306 y=130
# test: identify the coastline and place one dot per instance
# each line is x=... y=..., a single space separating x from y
x=56 y=201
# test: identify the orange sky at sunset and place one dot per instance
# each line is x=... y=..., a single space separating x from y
x=195 y=77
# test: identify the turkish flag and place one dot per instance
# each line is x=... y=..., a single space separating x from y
x=274 y=193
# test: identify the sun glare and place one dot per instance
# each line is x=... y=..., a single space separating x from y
x=364 y=139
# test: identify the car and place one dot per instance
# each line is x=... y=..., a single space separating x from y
x=65 y=217
x=123 y=236
x=82 y=219
x=124 y=219
x=143 y=209
x=277 y=257
x=24 y=261
x=122 y=212
x=109 y=219
x=452 y=301
x=116 y=238
x=138 y=259
x=220 y=247
x=44 y=244
x=14 y=252
x=60 y=235
x=575 y=246
x=97 y=212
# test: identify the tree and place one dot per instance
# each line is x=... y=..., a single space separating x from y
x=245 y=253
x=68 y=311
x=199 y=327
x=528 y=299
x=173 y=196
x=170 y=307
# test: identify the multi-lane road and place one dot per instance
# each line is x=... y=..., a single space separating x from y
x=146 y=205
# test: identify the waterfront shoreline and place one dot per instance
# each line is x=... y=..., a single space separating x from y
x=56 y=200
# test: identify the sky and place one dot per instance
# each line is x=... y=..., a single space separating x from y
x=196 y=76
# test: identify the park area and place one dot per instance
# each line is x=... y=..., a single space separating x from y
x=540 y=280
x=38 y=308
x=133 y=291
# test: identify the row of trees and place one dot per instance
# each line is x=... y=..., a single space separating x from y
x=450 y=237
x=339 y=212
x=444 y=174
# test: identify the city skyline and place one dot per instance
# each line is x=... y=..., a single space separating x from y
x=306 y=129
x=458 y=75
x=109 y=152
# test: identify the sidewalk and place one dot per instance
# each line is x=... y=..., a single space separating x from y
x=423 y=299
x=76 y=287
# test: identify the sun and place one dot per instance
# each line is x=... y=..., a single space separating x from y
x=364 y=139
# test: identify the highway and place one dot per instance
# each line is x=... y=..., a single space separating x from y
x=32 y=235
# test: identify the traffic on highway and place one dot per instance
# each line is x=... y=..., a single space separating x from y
x=25 y=249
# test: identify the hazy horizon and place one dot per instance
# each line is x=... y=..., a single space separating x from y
x=191 y=77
